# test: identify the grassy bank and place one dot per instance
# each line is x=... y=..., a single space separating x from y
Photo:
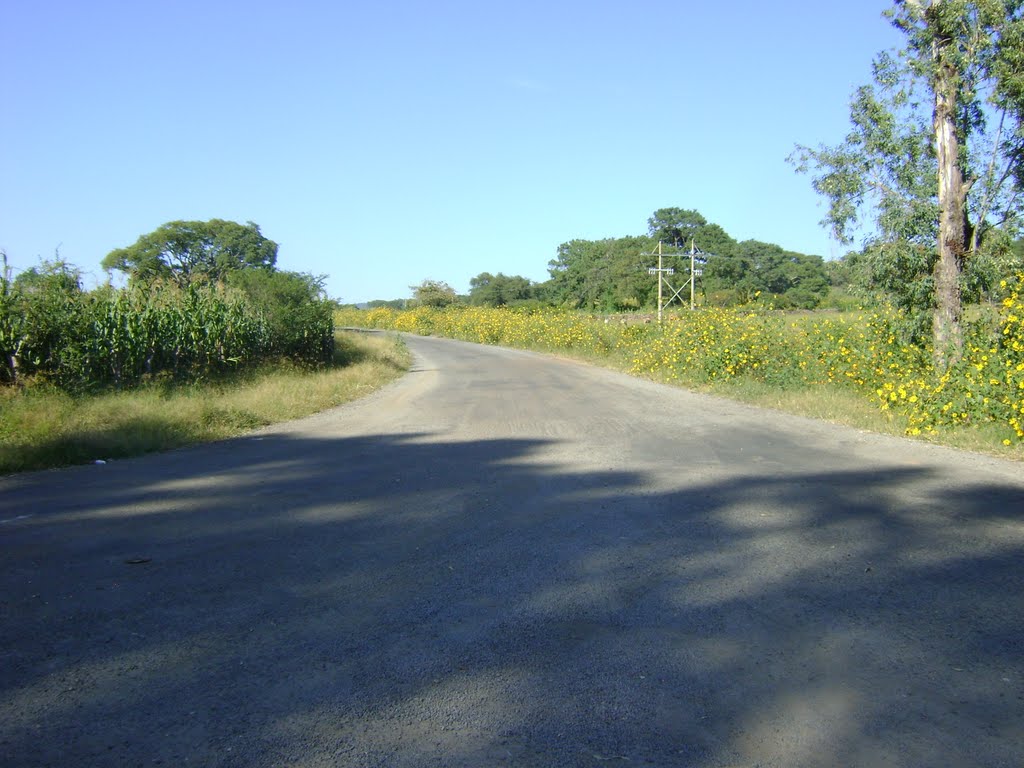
x=41 y=427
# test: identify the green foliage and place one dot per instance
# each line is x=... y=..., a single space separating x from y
x=187 y=250
x=50 y=276
x=961 y=66
x=434 y=293
x=296 y=309
x=604 y=275
x=499 y=290
x=13 y=329
x=50 y=330
x=756 y=268
x=998 y=258
x=35 y=311
x=612 y=274
x=676 y=227
x=117 y=337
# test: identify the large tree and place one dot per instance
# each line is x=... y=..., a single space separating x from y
x=609 y=274
x=789 y=279
x=614 y=273
x=186 y=250
x=935 y=153
x=675 y=226
x=499 y=290
x=434 y=293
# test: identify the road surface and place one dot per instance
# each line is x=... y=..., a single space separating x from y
x=509 y=559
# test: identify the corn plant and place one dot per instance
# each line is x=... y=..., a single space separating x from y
x=12 y=325
x=52 y=330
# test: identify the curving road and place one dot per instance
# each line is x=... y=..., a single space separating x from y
x=509 y=559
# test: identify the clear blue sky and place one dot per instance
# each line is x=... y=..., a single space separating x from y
x=382 y=143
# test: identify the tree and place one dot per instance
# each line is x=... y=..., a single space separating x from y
x=39 y=310
x=685 y=228
x=499 y=290
x=714 y=241
x=675 y=226
x=807 y=280
x=50 y=276
x=936 y=153
x=186 y=250
x=434 y=293
x=389 y=303
x=609 y=274
x=793 y=279
x=614 y=274
x=294 y=304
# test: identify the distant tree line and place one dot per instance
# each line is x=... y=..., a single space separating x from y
x=612 y=274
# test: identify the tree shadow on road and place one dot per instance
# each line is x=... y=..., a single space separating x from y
x=403 y=600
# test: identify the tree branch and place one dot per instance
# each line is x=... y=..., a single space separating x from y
x=990 y=192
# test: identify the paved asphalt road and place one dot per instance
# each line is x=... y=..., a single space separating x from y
x=507 y=559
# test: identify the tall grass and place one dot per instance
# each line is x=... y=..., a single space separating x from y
x=43 y=426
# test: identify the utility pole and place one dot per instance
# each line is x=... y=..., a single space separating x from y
x=661 y=271
x=696 y=255
x=697 y=261
x=693 y=281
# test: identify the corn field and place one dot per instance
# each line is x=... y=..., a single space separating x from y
x=120 y=337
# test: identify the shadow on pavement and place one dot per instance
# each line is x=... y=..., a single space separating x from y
x=403 y=601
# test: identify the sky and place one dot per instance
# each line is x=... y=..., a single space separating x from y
x=383 y=143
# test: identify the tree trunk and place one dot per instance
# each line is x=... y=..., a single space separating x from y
x=947 y=334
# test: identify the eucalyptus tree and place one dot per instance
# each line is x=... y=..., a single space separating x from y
x=935 y=154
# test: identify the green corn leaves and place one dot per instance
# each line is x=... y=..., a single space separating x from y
x=121 y=337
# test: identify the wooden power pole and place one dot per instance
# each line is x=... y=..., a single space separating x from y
x=696 y=258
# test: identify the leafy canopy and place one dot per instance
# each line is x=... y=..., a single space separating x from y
x=295 y=307
x=950 y=103
x=187 y=250
x=613 y=273
x=499 y=290
x=434 y=293
x=675 y=226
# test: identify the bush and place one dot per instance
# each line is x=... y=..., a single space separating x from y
x=299 y=316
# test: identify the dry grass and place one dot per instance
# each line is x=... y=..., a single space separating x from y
x=41 y=428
